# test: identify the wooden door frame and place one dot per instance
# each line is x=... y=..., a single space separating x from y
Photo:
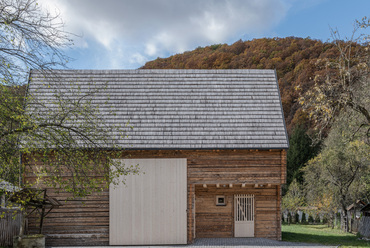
x=233 y=215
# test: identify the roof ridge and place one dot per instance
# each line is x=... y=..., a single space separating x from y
x=166 y=71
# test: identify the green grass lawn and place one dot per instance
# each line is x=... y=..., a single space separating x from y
x=321 y=234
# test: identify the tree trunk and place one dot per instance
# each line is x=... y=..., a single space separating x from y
x=344 y=219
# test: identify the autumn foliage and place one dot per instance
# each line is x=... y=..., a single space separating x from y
x=296 y=60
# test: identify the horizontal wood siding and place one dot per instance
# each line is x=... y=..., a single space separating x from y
x=283 y=166
x=218 y=221
x=86 y=221
x=225 y=166
x=191 y=212
x=78 y=222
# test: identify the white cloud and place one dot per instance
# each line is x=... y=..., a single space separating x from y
x=150 y=48
x=137 y=58
x=163 y=27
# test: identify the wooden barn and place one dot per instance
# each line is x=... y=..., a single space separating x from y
x=212 y=144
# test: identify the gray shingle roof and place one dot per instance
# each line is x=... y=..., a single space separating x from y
x=185 y=109
x=8 y=187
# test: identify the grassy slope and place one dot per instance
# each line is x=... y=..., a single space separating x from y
x=321 y=234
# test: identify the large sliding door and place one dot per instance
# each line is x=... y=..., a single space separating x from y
x=150 y=209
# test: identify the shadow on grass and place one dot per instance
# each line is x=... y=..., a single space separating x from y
x=324 y=239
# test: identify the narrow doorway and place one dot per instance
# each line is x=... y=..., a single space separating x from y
x=244 y=215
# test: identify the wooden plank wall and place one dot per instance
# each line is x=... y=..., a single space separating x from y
x=218 y=221
x=78 y=222
x=224 y=166
x=283 y=166
x=278 y=212
x=191 y=213
x=86 y=221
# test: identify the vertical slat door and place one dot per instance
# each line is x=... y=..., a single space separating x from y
x=150 y=209
x=244 y=215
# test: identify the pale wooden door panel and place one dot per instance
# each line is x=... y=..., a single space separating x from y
x=244 y=215
x=151 y=208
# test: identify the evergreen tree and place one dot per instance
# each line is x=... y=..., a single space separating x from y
x=300 y=151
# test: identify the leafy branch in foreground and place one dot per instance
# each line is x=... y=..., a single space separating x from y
x=342 y=83
x=31 y=37
x=72 y=147
x=63 y=129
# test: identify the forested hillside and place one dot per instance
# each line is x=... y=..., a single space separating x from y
x=297 y=61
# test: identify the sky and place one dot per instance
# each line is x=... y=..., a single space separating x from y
x=124 y=34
